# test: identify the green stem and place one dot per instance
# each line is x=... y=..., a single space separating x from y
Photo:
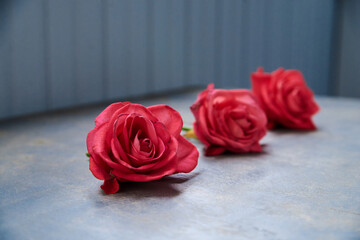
x=186 y=128
x=87 y=154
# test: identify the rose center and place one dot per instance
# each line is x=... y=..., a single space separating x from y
x=145 y=145
x=244 y=123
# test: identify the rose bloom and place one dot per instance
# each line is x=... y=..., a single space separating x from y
x=285 y=97
x=228 y=120
x=131 y=142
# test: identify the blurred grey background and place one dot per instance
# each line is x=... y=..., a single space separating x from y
x=62 y=53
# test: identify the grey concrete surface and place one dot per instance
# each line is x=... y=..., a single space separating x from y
x=306 y=185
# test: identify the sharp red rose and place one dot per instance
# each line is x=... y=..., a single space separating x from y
x=131 y=142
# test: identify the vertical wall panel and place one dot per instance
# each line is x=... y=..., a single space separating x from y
x=320 y=71
x=266 y=34
x=277 y=39
x=238 y=5
x=349 y=77
x=5 y=59
x=150 y=44
x=139 y=40
x=88 y=46
x=229 y=42
x=256 y=35
x=218 y=38
x=118 y=48
x=301 y=37
x=162 y=51
x=187 y=41
x=244 y=41
x=195 y=43
x=312 y=60
x=61 y=53
x=207 y=39
x=325 y=46
x=177 y=44
x=28 y=66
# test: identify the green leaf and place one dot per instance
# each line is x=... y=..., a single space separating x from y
x=186 y=128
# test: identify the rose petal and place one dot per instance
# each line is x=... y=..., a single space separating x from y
x=256 y=148
x=235 y=129
x=148 y=176
x=98 y=171
x=135 y=110
x=136 y=142
x=101 y=148
x=169 y=117
x=163 y=132
x=243 y=96
x=110 y=186
x=271 y=125
x=105 y=115
x=92 y=141
x=240 y=146
x=214 y=150
x=260 y=82
x=187 y=155
x=147 y=128
x=199 y=134
x=213 y=138
x=141 y=163
x=118 y=152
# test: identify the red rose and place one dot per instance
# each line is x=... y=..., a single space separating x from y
x=228 y=120
x=286 y=99
x=131 y=142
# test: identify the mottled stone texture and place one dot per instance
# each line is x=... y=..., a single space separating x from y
x=306 y=185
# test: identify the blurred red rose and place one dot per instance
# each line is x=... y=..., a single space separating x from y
x=131 y=142
x=228 y=120
x=285 y=98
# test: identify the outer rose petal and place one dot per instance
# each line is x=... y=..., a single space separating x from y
x=203 y=127
x=256 y=148
x=90 y=140
x=110 y=186
x=202 y=96
x=271 y=125
x=96 y=163
x=98 y=171
x=130 y=108
x=187 y=156
x=260 y=82
x=146 y=177
x=169 y=117
x=214 y=150
x=106 y=115
x=98 y=146
x=199 y=134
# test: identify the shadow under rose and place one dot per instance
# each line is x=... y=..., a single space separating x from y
x=285 y=131
x=239 y=156
x=165 y=187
